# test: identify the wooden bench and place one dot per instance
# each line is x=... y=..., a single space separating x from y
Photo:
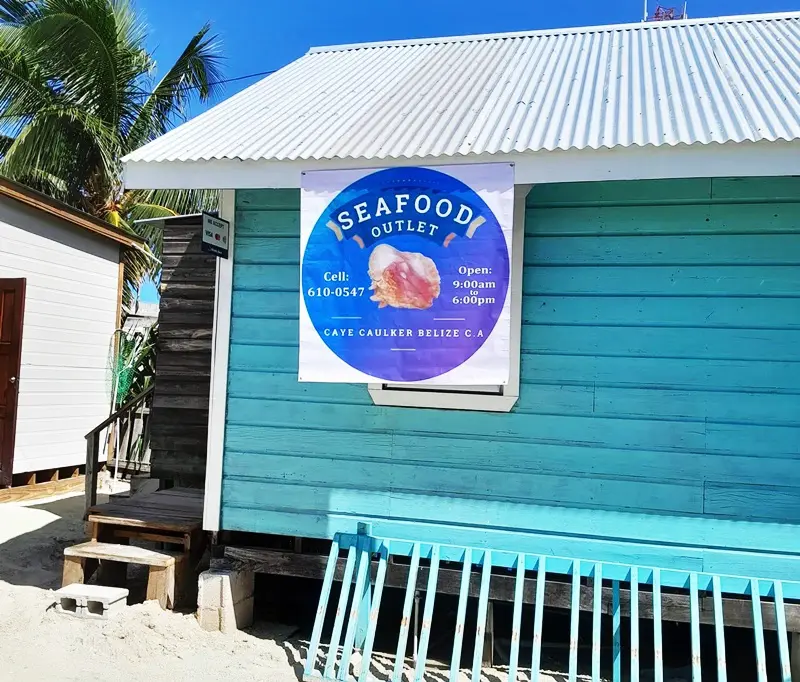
x=167 y=569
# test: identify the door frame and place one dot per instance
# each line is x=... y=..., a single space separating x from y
x=9 y=434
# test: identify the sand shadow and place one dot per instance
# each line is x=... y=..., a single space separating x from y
x=294 y=655
x=382 y=666
x=34 y=557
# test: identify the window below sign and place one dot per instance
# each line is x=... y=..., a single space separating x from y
x=478 y=398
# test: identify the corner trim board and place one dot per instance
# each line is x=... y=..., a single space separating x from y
x=120 y=285
x=223 y=295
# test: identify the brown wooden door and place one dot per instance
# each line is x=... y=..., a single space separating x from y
x=12 y=302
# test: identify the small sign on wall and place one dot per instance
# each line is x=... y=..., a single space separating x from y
x=215 y=235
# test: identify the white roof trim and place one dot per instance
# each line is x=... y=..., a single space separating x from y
x=574 y=165
x=577 y=30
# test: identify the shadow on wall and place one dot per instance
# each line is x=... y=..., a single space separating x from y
x=33 y=538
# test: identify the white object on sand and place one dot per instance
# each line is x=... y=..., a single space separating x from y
x=91 y=601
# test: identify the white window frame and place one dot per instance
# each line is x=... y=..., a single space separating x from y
x=477 y=398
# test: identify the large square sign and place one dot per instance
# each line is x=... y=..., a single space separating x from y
x=405 y=275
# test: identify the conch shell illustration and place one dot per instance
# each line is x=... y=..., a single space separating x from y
x=402 y=279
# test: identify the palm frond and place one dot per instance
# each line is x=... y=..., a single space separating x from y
x=180 y=201
x=17 y=11
x=59 y=137
x=152 y=231
x=142 y=211
x=146 y=263
x=76 y=93
x=23 y=87
x=133 y=364
x=141 y=264
x=80 y=49
x=144 y=364
x=198 y=68
x=46 y=183
x=5 y=142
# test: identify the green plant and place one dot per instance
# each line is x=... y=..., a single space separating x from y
x=77 y=92
x=132 y=360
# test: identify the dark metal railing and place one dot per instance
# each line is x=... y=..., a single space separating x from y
x=132 y=444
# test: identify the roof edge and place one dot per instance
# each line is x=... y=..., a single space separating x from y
x=733 y=19
x=42 y=202
x=713 y=159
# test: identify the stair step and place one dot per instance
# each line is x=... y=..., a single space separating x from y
x=128 y=554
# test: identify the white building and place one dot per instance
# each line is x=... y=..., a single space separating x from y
x=60 y=302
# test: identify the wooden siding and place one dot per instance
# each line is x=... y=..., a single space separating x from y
x=179 y=422
x=70 y=316
x=657 y=418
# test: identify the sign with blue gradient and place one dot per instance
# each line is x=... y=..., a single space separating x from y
x=405 y=275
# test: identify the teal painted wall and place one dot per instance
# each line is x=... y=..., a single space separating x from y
x=658 y=413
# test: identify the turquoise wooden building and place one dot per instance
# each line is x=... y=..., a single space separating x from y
x=650 y=435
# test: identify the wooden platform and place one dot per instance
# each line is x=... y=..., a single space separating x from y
x=177 y=510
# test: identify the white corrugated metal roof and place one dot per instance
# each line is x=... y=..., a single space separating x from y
x=727 y=79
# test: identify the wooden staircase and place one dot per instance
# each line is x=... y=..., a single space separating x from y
x=168 y=517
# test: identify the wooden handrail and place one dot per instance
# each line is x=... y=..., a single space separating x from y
x=127 y=406
x=93 y=444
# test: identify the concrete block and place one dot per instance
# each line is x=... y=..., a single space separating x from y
x=225 y=599
x=238 y=617
x=208 y=619
x=209 y=590
x=242 y=585
x=91 y=601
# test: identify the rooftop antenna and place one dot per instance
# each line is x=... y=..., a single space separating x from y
x=665 y=13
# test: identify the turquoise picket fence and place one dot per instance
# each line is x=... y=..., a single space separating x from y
x=361 y=563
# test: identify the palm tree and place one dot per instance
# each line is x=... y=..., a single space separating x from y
x=77 y=93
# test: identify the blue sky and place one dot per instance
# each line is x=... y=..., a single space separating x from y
x=261 y=35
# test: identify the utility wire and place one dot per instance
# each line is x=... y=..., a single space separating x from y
x=219 y=82
x=241 y=78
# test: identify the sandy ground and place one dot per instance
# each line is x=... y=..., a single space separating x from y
x=143 y=643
